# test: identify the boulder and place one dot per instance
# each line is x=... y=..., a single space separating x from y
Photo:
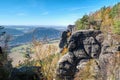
x=90 y=56
x=82 y=45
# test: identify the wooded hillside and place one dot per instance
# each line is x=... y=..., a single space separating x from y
x=106 y=19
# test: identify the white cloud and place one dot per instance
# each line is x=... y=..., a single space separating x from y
x=79 y=8
x=21 y=14
x=45 y=13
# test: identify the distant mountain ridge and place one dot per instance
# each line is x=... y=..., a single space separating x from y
x=38 y=33
x=13 y=32
x=25 y=28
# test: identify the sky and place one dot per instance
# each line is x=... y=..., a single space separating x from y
x=47 y=12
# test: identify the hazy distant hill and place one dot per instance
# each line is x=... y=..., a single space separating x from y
x=22 y=28
x=38 y=33
x=13 y=32
x=27 y=28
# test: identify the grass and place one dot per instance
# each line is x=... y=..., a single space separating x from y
x=21 y=47
x=47 y=57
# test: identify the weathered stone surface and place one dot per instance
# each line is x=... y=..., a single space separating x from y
x=71 y=28
x=92 y=55
x=63 y=40
x=82 y=45
x=109 y=61
x=65 y=35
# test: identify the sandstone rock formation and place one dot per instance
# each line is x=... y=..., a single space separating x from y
x=89 y=58
x=65 y=35
x=71 y=28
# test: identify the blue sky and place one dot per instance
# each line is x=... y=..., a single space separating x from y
x=47 y=12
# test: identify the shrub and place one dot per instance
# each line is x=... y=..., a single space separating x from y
x=82 y=23
x=116 y=28
x=5 y=63
x=46 y=58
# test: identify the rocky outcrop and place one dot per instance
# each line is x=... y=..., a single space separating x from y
x=71 y=28
x=65 y=37
x=63 y=40
x=87 y=50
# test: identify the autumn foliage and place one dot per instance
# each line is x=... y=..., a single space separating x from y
x=106 y=19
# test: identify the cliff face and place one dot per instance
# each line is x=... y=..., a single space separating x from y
x=90 y=56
